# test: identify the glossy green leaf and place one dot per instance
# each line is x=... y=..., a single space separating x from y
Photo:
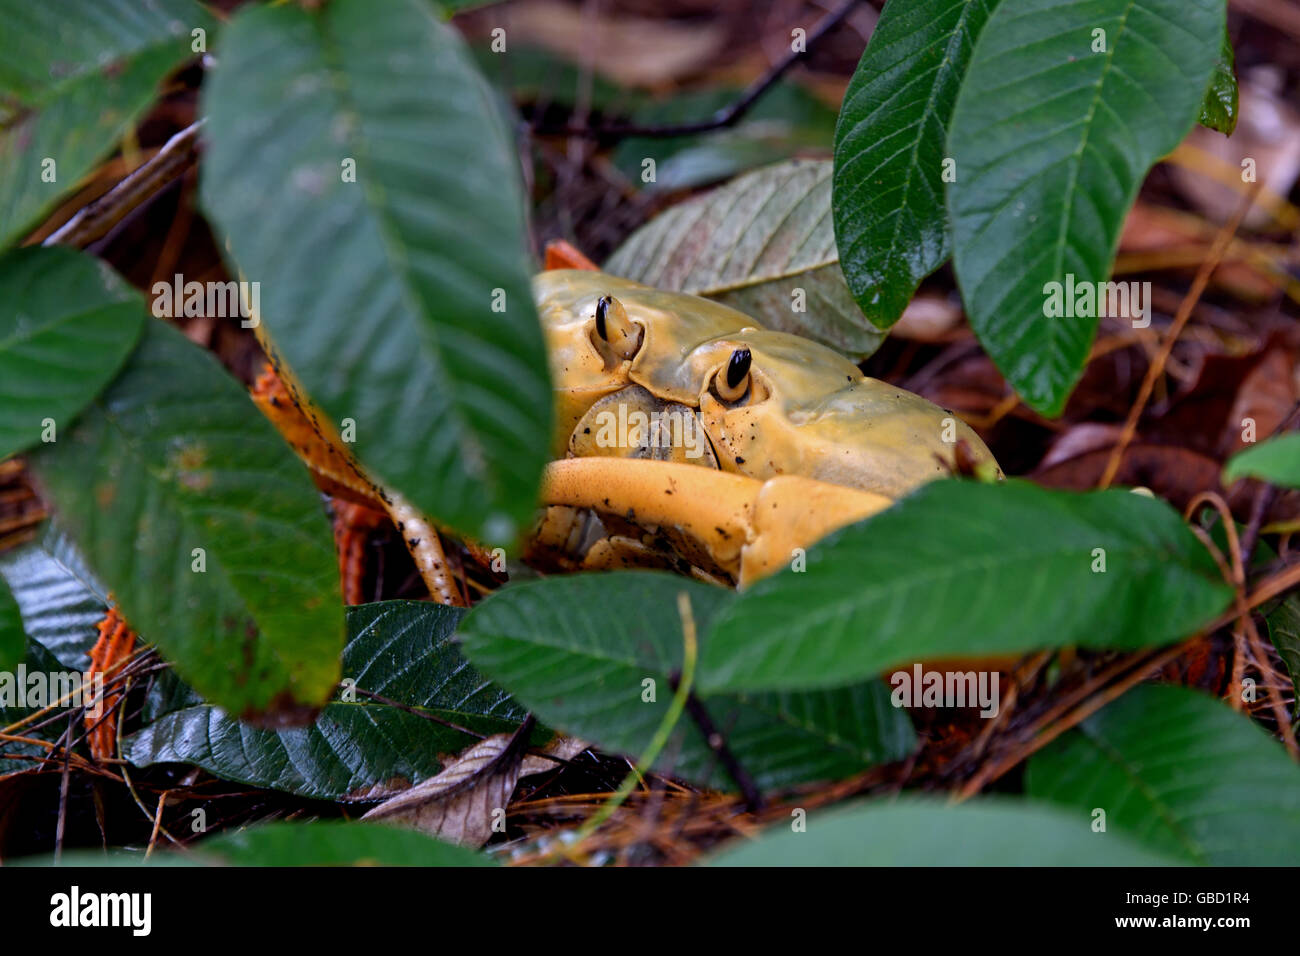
x=331 y=843
x=1276 y=461
x=358 y=748
x=763 y=244
x=928 y=832
x=13 y=639
x=891 y=223
x=36 y=660
x=1064 y=108
x=1219 y=109
x=965 y=569
x=196 y=515
x=593 y=655
x=60 y=600
x=67 y=323
x=1182 y=773
x=75 y=76
x=400 y=299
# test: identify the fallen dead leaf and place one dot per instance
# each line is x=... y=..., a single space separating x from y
x=1173 y=473
x=1267 y=134
x=929 y=318
x=1266 y=397
x=468 y=799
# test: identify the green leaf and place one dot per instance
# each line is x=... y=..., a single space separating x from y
x=37 y=660
x=891 y=224
x=1051 y=142
x=13 y=639
x=75 y=76
x=752 y=244
x=452 y=7
x=1181 y=772
x=926 y=832
x=1219 y=109
x=1276 y=461
x=380 y=293
x=60 y=599
x=330 y=843
x=174 y=457
x=67 y=323
x=358 y=749
x=578 y=650
x=965 y=569
x=1284 y=631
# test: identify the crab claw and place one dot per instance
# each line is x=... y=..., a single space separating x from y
x=750 y=528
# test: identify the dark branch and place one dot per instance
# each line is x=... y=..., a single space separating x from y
x=723 y=118
x=718 y=744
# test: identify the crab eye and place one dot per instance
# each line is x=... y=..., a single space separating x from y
x=615 y=328
x=602 y=314
x=734 y=381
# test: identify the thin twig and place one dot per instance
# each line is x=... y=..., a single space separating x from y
x=94 y=221
x=61 y=826
x=157 y=823
x=1260 y=507
x=718 y=744
x=1090 y=706
x=1157 y=366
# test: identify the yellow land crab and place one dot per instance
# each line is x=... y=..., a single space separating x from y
x=687 y=436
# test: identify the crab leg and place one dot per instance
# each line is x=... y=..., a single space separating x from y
x=319 y=446
x=750 y=527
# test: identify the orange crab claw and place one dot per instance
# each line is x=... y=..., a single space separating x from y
x=562 y=255
x=749 y=527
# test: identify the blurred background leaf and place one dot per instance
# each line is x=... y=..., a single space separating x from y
x=788 y=121
x=1275 y=460
x=331 y=843
x=75 y=76
x=13 y=639
x=916 y=831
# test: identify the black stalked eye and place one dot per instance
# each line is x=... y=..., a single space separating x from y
x=738 y=367
x=614 y=326
x=732 y=384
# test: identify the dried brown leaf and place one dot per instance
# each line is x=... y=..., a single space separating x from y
x=464 y=802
